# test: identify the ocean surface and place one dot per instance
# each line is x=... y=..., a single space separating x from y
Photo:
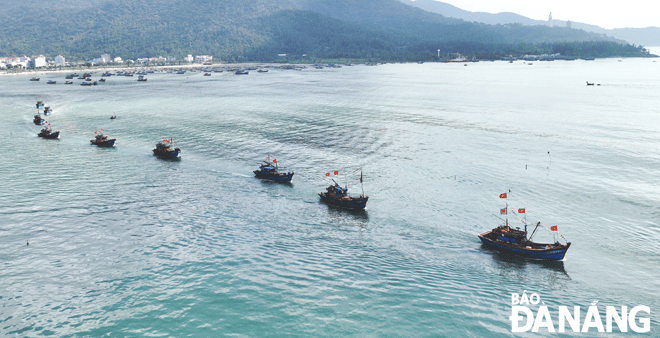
x=124 y=244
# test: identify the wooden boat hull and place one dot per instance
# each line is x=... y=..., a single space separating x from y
x=107 y=143
x=351 y=203
x=51 y=136
x=39 y=122
x=282 y=177
x=552 y=253
x=168 y=155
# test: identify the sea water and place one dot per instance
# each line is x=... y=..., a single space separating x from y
x=124 y=244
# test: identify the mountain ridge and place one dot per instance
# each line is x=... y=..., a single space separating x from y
x=259 y=30
x=648 y=36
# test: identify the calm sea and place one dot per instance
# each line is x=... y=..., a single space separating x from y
x=124 y=244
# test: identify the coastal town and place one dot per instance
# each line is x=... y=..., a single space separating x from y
x=41 y=62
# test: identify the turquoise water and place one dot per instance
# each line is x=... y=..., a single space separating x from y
x=124 y=244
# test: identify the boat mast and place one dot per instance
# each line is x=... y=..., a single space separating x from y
x=362 y=184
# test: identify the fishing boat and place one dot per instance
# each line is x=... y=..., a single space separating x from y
x=207 y=74
x=51 y=82
x=113 y=117
x=48 y=133
x=262 y=70
x=102 y=140
x=515 y=241
x=270 y=171
x=40 y=104
x=34 y=79
x=164 y=150
x=38 y=120
x=48 y=110
x=142 y=78
x=337 y=195
x=242 y=72
x=68 y=82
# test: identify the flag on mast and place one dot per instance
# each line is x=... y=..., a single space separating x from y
x=503 y=211
x=521 y=210
x=553 y=228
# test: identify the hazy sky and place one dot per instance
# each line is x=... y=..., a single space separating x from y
x=606 y=14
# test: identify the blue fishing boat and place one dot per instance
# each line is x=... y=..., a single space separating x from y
x=40 y=104
x=270 y=171
x=48 y=110
x=337 y=196
x=38 y=120
x=164 y=150
x=102 y=140
x=515 y=241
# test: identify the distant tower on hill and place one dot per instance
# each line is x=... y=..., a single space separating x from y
x=568 y=24
x=550 y=20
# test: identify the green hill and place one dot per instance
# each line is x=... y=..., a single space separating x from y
x=258 y=30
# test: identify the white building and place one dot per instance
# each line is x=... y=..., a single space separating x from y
x=59 y=60
x=105 y=58
x=203 y=58
x=37 y=62
x=188 y=58
x=550 y=20
x=118 y=60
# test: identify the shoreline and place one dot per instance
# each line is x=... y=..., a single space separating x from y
x=139 y=68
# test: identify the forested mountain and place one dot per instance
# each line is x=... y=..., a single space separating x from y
x=258 y=30
x=649 y=36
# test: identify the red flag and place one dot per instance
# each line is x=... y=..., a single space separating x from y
x=274 y=160
x=503 y=211
x=168 y=141
x=554 y=228
x=336 y=172
x=503 y=195
x=327 y=174
x=521 y=211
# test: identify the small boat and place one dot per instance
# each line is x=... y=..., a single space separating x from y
x=270 y=171
x=181 y=72
x=68 y=82
x=143 y=79
x=85 y=84
x=263 y=70
x=34 y=79
x=40 y=104
x=51 y=82
x=590 y=83
x=207 y=74
x=164 y=150
x=48 y=111
x=102 y=140
x=515 y=241
x=102 y=80
x=113 y=117
x=48 y=133
x=38 y=120
x=69 y=77
x=337 y=196
x=241 y=72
